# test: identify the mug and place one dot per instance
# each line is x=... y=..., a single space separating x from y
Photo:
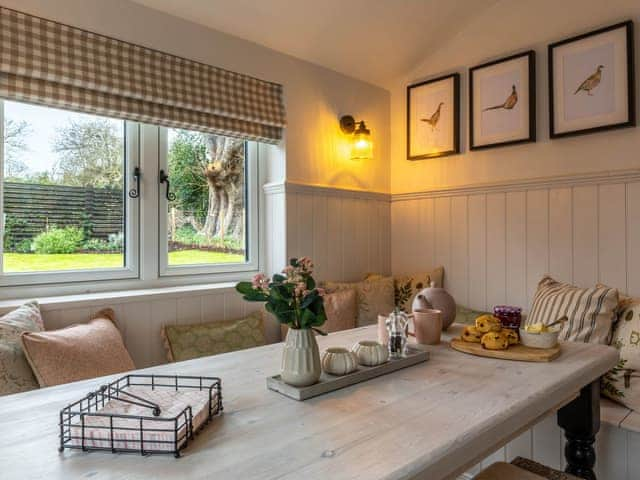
x=427 y=326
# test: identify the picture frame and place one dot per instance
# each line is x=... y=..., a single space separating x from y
x=433 y=117
x=502 y=102
x=583 y=96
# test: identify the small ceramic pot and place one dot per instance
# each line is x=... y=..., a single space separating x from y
x=338 y=361
x=300 y=358
x=370 y=353
x=436 y=299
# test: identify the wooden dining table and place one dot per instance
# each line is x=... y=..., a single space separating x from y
x=431 y=421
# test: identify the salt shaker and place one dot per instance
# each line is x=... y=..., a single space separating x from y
x=397 y=324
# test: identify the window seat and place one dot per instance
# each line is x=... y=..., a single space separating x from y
x=619 y=416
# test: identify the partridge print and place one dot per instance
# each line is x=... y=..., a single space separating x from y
x=509 y=103
x=433 y=120
x=591 y=82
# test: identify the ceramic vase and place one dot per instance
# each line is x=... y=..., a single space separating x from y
x=436 y=299
x=300 y=358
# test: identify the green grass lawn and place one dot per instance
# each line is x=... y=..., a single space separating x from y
x=32 y=262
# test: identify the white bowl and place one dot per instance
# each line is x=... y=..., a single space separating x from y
x=370 y=353
x=339 y=361
x=539 y=340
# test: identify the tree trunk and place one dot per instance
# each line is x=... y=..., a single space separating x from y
x=225 y=177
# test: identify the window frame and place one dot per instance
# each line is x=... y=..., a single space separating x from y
x=252 y=212
x=131 y=268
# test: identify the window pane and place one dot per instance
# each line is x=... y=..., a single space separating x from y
x=63 y=184
x=207 y=220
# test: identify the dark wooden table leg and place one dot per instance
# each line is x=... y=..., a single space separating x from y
x=580 y=420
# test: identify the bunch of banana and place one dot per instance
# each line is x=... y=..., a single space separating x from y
x=489 y=333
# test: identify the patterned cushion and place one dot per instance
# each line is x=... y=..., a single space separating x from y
x=375 y=296
x=622 y=383
x=15 y=373
x=406 y=287
x=184 y=342
x=77 y=352
x=591 y=311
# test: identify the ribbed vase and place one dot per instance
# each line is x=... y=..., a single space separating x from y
x=300 y=358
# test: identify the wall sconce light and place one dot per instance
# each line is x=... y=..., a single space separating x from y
x=361 y=147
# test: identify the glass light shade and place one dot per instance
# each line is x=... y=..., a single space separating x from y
x=361 y=147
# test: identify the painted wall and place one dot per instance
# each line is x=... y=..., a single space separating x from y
x=509 y=27
x=316 y=150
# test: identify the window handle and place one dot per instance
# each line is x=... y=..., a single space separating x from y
x=164 y=178
x=135 y=192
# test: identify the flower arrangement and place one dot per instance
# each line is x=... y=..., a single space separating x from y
x=292 y=297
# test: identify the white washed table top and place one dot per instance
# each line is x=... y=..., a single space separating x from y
x=430 y=421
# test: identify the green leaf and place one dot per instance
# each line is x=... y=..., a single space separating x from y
x=277 y=278
x=293 y=262
x=244 y=287
x=311 y=283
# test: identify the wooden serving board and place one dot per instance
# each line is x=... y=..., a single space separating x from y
x=514 y=352
x=329 y=383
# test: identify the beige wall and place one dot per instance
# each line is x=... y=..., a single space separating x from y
x=508 y=27
x=316 y=151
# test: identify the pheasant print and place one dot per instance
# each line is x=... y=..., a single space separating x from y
x=509 y=103
x=591 y=82
x=435 y=117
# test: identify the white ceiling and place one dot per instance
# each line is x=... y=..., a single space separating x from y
x=374 y=40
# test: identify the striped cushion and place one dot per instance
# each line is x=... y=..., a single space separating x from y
x=591 y=311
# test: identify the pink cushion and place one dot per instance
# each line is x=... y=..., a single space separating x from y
x=77 y=352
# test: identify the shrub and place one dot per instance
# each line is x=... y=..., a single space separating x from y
x=96 y=245
x=116 y=241
x=58 y=240
x=23 y=246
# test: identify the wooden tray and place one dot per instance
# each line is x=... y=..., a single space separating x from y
x=329 y=383
x=514 y=352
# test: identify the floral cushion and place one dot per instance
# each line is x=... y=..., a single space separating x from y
x=622 y=383
x=375 y=296
x=184 y=342
x=406 y=287
x=15 y=373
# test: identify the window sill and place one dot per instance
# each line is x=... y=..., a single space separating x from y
x=104 y=298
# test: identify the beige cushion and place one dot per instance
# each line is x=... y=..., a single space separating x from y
x=375 y=296
x=77 y=352
x=341 y=308
x=184 y=342
x=591 y=311
x=622 y=383
x=15 y=373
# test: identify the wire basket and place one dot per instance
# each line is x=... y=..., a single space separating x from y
x=145 y=414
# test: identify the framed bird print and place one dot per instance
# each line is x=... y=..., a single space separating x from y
x=502 y=102
x=433 y=118
x=591 y=82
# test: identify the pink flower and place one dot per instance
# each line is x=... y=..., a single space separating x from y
x=300 y=290
x=305 y=264
x=260 y=281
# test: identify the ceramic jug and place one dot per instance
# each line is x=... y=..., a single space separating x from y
x=436 y=299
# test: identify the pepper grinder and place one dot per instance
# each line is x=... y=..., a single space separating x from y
x=397 y=324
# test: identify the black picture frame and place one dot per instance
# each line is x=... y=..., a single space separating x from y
x=631 y=121
x=456 y=117
x=531 y=136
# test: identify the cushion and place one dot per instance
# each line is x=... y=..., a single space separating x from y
x=184 y=342
x=77 y=352
x=468 y=316
x=622 y=383
x=591 y=311
x=406 y=287
x=375 y=296
x=505 y=471
x=341 y=308
x=15 y=373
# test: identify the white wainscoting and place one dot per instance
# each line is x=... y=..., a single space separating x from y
x=496 y=242
x=141 y=316
x=345 y=232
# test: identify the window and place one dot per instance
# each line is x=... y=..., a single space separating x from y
x=73 y=208
x=209 y=205
x=63 y=205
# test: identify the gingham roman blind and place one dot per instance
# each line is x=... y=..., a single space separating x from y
x=48 y=63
